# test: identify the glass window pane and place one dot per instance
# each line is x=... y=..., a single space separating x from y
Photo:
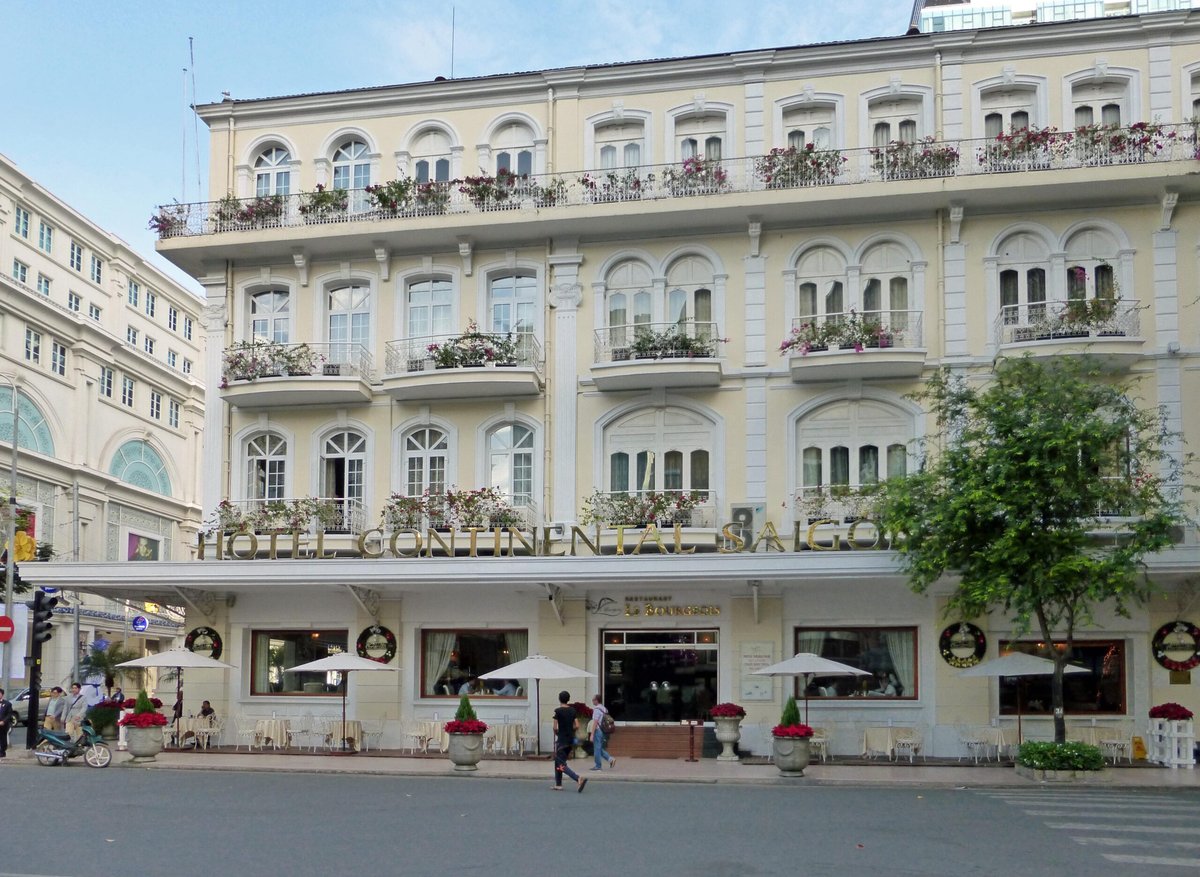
x=897 y=461
x=868 y=464
x=839 y=466
x=871 y=297
x=618 y=474
x=699 y=470
x=673 y=470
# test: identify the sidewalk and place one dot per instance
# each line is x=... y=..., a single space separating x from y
x=950 y=774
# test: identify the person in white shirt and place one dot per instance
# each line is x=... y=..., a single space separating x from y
x=599 y=711
x=77 y=707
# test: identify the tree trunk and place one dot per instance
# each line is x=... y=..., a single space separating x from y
x=1056 y=697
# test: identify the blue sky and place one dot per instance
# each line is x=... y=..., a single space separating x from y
x=93 y=103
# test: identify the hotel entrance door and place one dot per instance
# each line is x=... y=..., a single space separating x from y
x=662 y=676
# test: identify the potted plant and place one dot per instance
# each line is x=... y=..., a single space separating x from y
x=103 y=715
x=402 y=512
x=170 y=220
x=1172 y=735
x=466 y=737
x=790 y=741
x=728 y=719
x=583 y=712
x=432 y=197
x=392 y=197
x=323 y=203
x=1058 y=762
x=806 y=166
x=904 y=160
x=808 y=337
x=144 y=729
x=695 y=176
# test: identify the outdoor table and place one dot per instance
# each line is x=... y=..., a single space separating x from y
x=350 y=731
x=184 y=728
x=433 y=731
x=1083 y=734
x=506 y=735
x=882 y=740
x=277 y=732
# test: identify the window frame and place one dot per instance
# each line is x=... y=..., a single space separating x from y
x=21 y=222
x=338 y=638
x=45 y=237
x=860 y=696
x=128 y=391
x=33 y=345
x=76 y=257
x=427 y=686
x=1071 y=679
x=58 y=357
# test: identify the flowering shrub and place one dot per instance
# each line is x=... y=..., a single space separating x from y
x=582 y=710
x=473 y=348
x=926 y=157
x=251 y=360
x=807 y=166
x=727 y=711
x=323 y=202
x=792 y=731
x=263 y=209
x=695 y=176
x=1171 y=711
x=837 y=329
x=666 y=507
x=1060 y=756
x=131 y=703
x=484 y=189
x=466 y=726
x=144 y=714
x=171 y=219
x=277 y=515
x=615 y=186
x=674 y=343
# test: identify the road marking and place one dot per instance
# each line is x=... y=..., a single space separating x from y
x=1145 y=829
x=1157 y=843
x=1152 y=860
x=1121 y=815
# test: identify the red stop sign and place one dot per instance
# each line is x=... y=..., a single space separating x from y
x=6 y=628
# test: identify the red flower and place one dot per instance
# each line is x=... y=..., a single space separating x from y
x=466 y=726
x=143 y=720
x=1171 y=711
x=582 y=710
x=792 y=731
x=727 y=711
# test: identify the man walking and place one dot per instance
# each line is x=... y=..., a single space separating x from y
x=599 y=711
x=566 y=726
x=6 y=721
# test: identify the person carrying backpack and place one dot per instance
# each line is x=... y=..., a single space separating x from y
x=602 y=725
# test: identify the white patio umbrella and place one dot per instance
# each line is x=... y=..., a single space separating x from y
x=808 y=665
x=341 y=663
x=537 y=667
x=1019 y=664
x=180 y=659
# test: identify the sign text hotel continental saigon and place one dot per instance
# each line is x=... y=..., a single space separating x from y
x=569 y=541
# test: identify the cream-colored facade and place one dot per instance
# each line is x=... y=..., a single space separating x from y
x=665 y=228
x=105 y=353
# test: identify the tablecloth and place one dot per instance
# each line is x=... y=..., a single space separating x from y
x=273 y=732
x=882 y=740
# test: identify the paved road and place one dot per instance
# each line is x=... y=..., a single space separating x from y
x=77 y=822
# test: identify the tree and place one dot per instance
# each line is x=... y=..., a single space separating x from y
x=1042 y=492
x=103 y=662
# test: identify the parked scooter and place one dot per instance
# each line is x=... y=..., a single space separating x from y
x=57 y=747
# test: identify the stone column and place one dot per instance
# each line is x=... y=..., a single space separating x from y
x=214 y=315
x=562 y=367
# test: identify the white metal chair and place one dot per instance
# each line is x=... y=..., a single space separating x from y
x=908 y=741
x=205 y=736
x=764 y=731
x=975 y=741
x=243 y=731
x=1116 y=743
x=529 y=739
x=819 y=742
x=414 y=738
x=372 y=733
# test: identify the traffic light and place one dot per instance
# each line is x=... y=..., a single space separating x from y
x=43 y=616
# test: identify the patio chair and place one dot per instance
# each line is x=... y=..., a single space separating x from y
x=205 y=736
x=528 y=738
x=1116 y=743
x=764 y=733
x=373 y=734
x=908 y=741
x=413 y=738
x=975 y=741
x=243 y=731
x=819 y=742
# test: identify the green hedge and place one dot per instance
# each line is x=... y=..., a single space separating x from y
x=1060 y=756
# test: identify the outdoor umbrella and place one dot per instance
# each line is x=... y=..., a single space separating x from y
x=808 y=665
x=1019 y=664
x=181 y=659
x=341 y=663
x=537 y=667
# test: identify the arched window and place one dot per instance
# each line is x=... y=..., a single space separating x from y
x=266 y=466
x=430 y=307
x=272 y=172
x=136 y=463
x=896 y=118
x=628 y=301
x=886 y=274
x=700 y=136
x=351 y=166
x=820 y=279
x=1090 y=275
x=1023 y=259
x=1100 y=102
x=349 y=323
x=33 y=432
x=809 y=124
x=510 y=463
x=620 y=144
x=271 y=316
x=513 y=303
x=847 y=446
x=343 y=474
x=514 y=149
x=424 y=461
x=1007 y=109
x=690 y=297
x=659 y=449
x=431 y=154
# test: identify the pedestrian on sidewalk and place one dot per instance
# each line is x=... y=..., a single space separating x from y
x=566 y=727
x=6 y=721
x=599 y=713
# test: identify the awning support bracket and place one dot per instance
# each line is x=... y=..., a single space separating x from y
x=366 y=598
x=204 y=602
x=554 y=595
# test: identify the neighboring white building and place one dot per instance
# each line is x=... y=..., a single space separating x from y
x=105 y=352
x=939 y=16
x=592 y=315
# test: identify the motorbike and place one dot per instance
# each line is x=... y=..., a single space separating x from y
x=57 y=747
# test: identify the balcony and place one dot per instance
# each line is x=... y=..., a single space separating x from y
x=870 y=345
x=663 y=508
x=472 y=365
x=642 y=356
x=1092 y=166
x=308 y=514
x=1107 y=329
x=484 y=507
x=267 y=374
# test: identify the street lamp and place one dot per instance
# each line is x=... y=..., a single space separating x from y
x=10 y=531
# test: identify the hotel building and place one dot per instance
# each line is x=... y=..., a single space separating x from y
x=455 y=323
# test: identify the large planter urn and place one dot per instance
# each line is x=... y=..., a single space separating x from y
x=143 y=743
x=728 y=732
x=790 y=755
x=465 y=751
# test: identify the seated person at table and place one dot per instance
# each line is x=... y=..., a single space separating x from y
x=887 y=687
x=471 y=686
x=508 y=689
x=207 y=712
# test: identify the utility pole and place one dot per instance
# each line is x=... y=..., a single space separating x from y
x=10 y=532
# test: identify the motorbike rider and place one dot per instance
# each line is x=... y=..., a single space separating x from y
x=77 y=707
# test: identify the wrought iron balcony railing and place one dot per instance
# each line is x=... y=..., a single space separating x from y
x=251 y=360
x=1057 y=320
x=686 y=339
x=471 y=349
x=307 y=514
x=855 y=330
x=1032 y=150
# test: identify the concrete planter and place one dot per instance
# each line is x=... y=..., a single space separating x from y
x=1063 y=776
x=728 y=732
x=791 y=755
x=465 y=751
x=143 y=743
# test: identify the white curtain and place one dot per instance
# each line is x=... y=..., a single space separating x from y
x=438 y=649
x=811 y=641
x=517 y=642
x=900 y=645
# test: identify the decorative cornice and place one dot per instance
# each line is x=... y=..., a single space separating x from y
x=301 y=265
x=1169 y=201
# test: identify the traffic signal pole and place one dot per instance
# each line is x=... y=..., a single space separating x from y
x=41 y=632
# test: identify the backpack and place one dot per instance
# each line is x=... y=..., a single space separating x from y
x=607 y=724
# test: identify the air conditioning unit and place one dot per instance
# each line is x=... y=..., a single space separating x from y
x=745 y=520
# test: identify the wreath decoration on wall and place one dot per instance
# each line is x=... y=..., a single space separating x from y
x=956 y=639
x=376 y=643
x=1179 y=638
x=203 y=639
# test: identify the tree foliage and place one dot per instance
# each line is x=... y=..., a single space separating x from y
x=1042 y=492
